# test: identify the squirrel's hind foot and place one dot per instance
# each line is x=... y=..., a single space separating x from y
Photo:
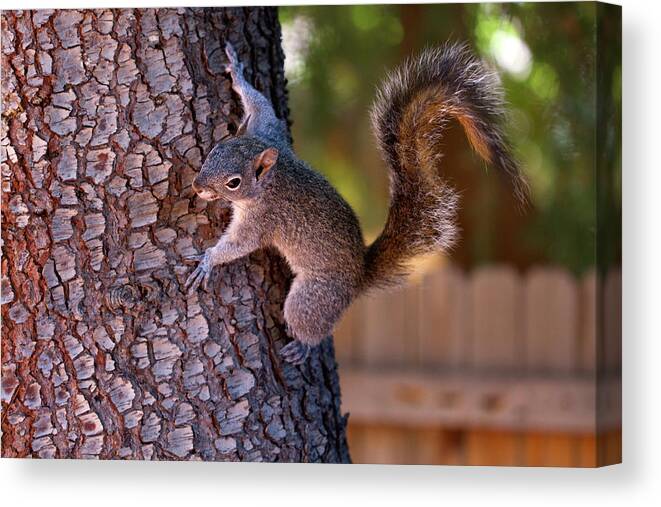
x=295 y=352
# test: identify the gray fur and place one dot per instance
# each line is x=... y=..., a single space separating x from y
x=282 y=202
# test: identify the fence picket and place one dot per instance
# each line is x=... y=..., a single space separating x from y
x=587 y=338
x=496 y=303
x=443 y=319
x=551 y=321
x=390 y=328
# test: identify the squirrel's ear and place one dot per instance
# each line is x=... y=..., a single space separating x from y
x=265 y=160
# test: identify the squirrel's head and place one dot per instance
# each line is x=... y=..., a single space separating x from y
x=235 y=170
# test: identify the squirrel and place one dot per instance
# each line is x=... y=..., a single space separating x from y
x=278 y=200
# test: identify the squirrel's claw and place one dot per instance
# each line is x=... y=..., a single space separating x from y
x=194 y=280
x=295 y=352
x=200 y=274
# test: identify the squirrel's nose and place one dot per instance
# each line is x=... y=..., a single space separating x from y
x=198 y=186
x=205 y=192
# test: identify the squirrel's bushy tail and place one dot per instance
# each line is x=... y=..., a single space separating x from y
x=410 y=112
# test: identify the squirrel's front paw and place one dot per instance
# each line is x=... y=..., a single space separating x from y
x=295 y=352
x=201 y=273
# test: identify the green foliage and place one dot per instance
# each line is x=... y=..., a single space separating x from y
x=546 y=55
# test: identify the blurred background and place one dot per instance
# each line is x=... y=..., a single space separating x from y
x=489 y=356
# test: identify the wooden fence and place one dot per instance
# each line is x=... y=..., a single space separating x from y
x=487 y=368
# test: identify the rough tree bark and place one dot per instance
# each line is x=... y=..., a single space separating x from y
x=107 y=116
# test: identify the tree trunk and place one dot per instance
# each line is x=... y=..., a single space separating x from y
x=107 y=116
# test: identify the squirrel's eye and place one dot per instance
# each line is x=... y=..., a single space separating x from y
x=233 y=183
